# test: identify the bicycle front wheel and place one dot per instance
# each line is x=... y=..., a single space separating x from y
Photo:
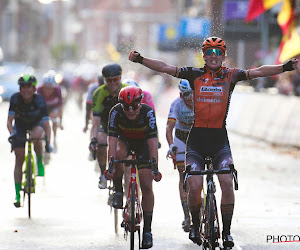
x=212 y=237
x=132 y=212
x=116 y=220
x=29 y=184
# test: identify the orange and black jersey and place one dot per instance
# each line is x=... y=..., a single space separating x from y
x=141 y=129
x=212 y=93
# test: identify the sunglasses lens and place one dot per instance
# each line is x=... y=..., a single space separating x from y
x=113 y=79
x=133 y=106
x=209 y=52
x=186 y=94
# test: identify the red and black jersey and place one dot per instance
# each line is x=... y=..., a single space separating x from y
x=212 y=93
x=143 y=128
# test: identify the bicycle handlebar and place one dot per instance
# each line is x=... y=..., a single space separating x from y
x=232 y=171
x=127 y=163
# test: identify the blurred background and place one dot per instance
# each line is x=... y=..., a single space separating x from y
x=76 y=37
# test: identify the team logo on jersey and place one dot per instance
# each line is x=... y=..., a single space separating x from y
x=211 y=91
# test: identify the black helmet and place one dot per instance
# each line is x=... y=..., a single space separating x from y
x=100 y=80
x=112 y=69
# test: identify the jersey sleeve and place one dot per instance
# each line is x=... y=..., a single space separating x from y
x=12 y=105
x=113 y=122
x=172 y=112
x=151 y=131
x=148 y=99
x=59 y=95
x=190 y=74
x=98 y=98
x=43 y=107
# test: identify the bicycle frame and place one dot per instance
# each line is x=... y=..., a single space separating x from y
x=209 y=222
x=132 y=211
x=28 y=185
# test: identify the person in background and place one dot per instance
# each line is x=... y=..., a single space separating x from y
x=28 y=111
x=181 y=117
x=51 y=93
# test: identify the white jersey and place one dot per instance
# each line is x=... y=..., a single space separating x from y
x=184 y=118
x=183 y=115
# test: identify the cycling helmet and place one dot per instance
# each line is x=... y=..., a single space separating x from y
x=100 y=80
x=130 y=95
x=130 y=82
x=111 y=70
x=27 y=80
x=215 y=42
x=49 y=80
x=184 y=86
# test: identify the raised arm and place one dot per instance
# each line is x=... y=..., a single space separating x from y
x=156 y=65
x=271 y=70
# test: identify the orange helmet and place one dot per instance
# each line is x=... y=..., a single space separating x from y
x=215 y=42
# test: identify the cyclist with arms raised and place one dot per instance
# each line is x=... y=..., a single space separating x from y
x=181 y=117
x=51 y=93
x=104 y=98
x=212 y=85
x=29 y=112
x=132 y=126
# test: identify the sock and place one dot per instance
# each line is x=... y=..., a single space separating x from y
x=185 y=208
x=102 y=168
x=18 y=188
x=39 y=158
x=195 y=217
x=227 y=212
x=118 y=184
x=147 y=221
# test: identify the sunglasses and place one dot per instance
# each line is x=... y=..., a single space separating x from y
x=134 y=106
x=186 y=94
x=217 y=52
x=112 y=79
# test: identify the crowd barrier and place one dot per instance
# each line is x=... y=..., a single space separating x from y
x=272 y=118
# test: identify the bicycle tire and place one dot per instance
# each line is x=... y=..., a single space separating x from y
x=132 y=211
x=116 y=217
x=28 y=179
x=211 y=221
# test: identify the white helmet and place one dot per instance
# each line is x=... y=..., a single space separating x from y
x=184 y=86
x=130 y=82
x=49 y=80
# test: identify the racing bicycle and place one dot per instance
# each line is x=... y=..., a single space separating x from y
x=28 y=184
x=209 y=221
x=132 y=212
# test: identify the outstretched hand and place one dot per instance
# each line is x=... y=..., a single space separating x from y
x=290 y=65
x=135 y=56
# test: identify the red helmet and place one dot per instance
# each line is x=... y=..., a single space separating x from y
x=130 y=95
x=215 y=42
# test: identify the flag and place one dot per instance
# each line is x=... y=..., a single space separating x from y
x=257 y=7
x=290 y=43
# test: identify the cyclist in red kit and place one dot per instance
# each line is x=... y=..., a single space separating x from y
x=212 y=86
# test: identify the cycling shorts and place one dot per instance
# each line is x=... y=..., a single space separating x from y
x=140 y=148
x=21 y=133
x=103 y=128
x=180 y=156
x=211 y=142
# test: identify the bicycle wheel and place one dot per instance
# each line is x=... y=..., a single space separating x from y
x=211 y=221
x=116 y=220
x=132 y=212
x=29 y=184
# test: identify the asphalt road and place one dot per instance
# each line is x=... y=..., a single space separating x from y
x=70 y=212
